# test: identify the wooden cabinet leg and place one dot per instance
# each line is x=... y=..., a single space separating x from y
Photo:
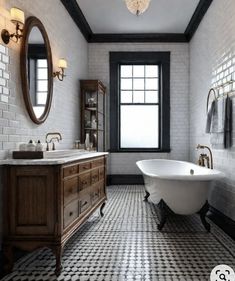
x=58 y=250
x=7 y=259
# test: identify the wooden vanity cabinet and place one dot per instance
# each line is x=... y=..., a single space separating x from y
x=44 y=205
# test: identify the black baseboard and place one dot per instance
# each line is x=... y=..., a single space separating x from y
x=124 y=179
x=224 y=222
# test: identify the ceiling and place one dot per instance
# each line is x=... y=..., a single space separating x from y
x=162 y=16
x=110 y=21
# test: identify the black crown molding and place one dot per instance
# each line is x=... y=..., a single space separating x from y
x=197 y=17
x=81 y=22
x=78 y=17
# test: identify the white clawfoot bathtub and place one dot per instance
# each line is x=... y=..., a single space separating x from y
x=183 y=186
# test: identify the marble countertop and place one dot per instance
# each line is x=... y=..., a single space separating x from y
x=52 y=161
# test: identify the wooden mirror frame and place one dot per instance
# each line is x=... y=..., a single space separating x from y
x=29 y=24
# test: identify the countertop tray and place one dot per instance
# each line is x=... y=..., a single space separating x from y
x=27 y=154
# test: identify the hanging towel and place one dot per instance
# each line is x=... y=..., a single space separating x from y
x=221 y=102
x=210 y=116
x=228 y=122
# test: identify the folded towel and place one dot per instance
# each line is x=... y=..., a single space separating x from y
x=210 y=115
x=228 y=122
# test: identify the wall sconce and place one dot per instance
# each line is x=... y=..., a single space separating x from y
x=60 y=74
x=17 y=17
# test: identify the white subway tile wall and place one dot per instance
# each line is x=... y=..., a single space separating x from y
x=212 y=63
x=124 y=163
x=66 y=41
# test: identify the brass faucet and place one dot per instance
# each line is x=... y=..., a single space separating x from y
x=55 y=136
x=205 y=158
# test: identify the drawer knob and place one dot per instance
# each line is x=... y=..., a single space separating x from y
x=70 y=214
x=84 y=182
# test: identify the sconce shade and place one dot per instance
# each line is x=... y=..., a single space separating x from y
x=17 y=16
x=62 y=63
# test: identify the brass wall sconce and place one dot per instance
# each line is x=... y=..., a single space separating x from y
x=17 y=17
x=60 y=74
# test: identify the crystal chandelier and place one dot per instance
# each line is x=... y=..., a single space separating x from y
x=137 y=7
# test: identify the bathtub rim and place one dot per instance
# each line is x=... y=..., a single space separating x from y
x=212 y=174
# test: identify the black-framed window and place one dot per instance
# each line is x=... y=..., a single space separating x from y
x=140 y=101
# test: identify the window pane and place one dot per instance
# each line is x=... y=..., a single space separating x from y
x=138 y=84
x=139 y=126
x=126 y=84
x=41 y=97
x=42 y=85
x=42 y=63
x=138 y=70
x=151 y=96
x=126 y=70
x=138 y=97
x=42 y=73
x=151 y=71
x=126 y=96
x=151 y=84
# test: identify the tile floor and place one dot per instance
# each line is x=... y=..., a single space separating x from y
x=126 y=245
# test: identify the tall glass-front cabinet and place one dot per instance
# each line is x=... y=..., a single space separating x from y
x=93 y=113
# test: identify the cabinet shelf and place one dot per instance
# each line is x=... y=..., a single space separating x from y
x=92 y=104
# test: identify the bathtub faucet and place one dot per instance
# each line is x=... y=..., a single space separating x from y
x=205 y=158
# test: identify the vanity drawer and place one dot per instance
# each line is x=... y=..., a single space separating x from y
x=70 y=189
x=71 y=212
x=94 y=176
x=85 y=202
x=84 y=180
x=84 y=167
x=101 y=173
x=70 y=170
x=95 y=195
x=97 y=163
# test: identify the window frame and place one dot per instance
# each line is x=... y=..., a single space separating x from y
x=162 y=59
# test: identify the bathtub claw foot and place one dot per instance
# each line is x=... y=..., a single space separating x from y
x=146 y=195
x=202 y=213
x=163 y=214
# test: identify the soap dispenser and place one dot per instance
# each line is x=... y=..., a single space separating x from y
x=31 y=146
x=39 y=146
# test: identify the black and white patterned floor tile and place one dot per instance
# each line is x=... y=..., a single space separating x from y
x=126 y=245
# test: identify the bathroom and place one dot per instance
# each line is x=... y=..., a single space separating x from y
x=198 y=40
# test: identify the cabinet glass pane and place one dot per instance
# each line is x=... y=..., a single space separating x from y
x=100 y=140
x=100 y=102
x=139 y=126
x=100 y=121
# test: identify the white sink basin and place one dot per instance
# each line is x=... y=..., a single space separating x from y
x=64 y=153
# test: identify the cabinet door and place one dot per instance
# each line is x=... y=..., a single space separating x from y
x=32 y=200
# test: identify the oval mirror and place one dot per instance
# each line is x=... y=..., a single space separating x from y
x=36 y=70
